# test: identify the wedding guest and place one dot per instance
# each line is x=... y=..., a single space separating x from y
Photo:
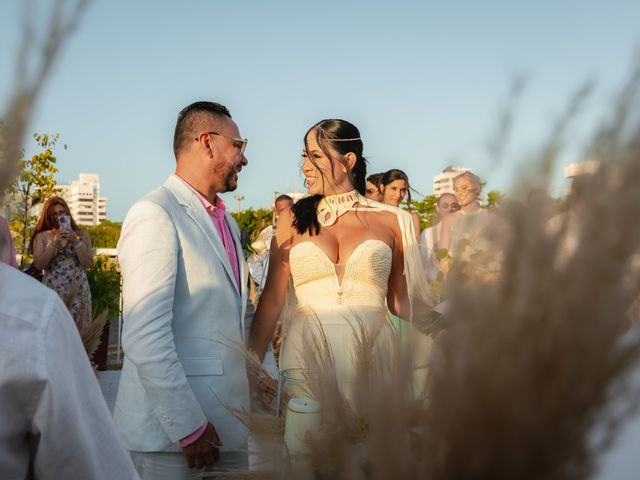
x=430 y=237
x=185 y=296
x=54 y=422
x=258 y=267
x=394 y=186
x=62 y=251
x=373 y=187
x=259 y=261
x=7 y=253
x=568 y=223
x=464 y=231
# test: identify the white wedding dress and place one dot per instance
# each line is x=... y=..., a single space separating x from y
x=337 y=309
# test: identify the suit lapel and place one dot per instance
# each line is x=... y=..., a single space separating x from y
x=235 y=234
x=197 y=212
x=242 y=265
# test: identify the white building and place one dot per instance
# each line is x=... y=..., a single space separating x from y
x=84 y=200
x=443 y=183
x=580 y=168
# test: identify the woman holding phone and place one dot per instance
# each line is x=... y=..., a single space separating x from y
x=63 y=251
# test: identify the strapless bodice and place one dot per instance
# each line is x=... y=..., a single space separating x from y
x=365 y=279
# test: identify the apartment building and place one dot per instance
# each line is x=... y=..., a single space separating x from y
x=83 y=196
x=443 y=183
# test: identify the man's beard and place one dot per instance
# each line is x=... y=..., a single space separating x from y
x=230 y=183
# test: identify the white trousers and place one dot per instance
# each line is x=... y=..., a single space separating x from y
x=173 y=465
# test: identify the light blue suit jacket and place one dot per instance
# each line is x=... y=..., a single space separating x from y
x=183 y=328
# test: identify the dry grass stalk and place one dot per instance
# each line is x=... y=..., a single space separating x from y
x=90 y=333
x=530 y=361
x=29 y=84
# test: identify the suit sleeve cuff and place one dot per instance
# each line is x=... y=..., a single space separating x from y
x=189 y=439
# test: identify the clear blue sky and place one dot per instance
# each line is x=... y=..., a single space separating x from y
x=424 y=81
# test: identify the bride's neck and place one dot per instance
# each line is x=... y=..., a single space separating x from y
x=342 y=185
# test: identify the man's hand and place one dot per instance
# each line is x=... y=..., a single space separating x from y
x=205 y=451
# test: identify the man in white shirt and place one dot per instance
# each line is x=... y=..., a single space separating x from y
x=54 y=422
x=445 y=205
x=259 y=261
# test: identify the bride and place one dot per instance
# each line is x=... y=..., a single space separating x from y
x=349 y=258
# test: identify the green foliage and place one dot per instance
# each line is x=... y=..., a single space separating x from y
x=252 y=222
x=494 y=198
x=34 y=183
x=104 y=281
x=105 y=235
x=426 y=210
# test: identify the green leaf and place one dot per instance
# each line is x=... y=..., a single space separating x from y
x=442 y=253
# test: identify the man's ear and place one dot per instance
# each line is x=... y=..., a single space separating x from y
x=205 y=142
x=350 y=161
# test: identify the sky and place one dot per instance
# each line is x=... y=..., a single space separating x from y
x=424 y=81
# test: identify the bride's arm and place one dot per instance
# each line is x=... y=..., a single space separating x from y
x=397 y=294
x=397 y=298
x=273 y=295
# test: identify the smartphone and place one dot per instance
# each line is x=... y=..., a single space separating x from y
x=64 y=221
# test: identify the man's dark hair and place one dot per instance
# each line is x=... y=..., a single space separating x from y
x=283 y=197
x=190 y=120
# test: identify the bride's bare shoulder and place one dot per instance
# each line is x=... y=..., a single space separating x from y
x=385 y=218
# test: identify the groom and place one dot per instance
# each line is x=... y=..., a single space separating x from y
x=184 y=289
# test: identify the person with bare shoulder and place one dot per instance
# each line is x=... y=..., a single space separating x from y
x=62 y=251
x=345 y=255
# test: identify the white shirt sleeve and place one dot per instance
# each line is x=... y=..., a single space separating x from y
x=72 y=431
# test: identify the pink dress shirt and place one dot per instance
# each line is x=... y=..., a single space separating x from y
x=216 y=212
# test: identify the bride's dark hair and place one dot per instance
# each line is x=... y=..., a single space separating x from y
x=342 y=137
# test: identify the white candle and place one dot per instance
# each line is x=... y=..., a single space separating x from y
x=302 y=415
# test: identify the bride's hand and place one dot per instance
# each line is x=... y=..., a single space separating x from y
x=262 y=389
x=444 y=266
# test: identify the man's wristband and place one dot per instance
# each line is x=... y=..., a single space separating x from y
x=77 y=245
